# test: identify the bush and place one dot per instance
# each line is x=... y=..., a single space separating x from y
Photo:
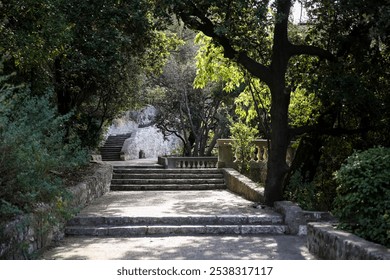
x=33 y=152
x=242 y=145
x=363 y=196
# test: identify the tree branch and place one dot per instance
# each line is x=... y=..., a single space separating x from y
x=204 y=24
x=337 y=131
x=311 y=50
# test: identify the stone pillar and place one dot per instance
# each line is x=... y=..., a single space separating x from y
x=225 y=154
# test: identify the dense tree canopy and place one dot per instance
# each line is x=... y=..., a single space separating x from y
x=90 y=52
x=329 y=56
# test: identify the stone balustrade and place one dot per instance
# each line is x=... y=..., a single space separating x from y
x=227 y=158
x=188 y=162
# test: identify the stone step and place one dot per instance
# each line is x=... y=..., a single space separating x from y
x=166 y=187
x=167 y=176
x=117 y=154
x=150 y=230
x=146 y=169
x=167 y=181
x=111 y=154
x=110 y=148
x=149 y=168
x=238 y=219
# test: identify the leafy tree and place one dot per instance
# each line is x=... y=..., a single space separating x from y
x=196 y=116
x=354 y=95
x=258 y=37
x=91 y=53
x=99 y=75
x=242 y=28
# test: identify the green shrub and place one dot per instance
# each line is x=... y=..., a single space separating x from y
x=363 y=196
x=33 y=152
x=242 y=145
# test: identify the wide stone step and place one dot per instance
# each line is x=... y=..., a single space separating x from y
x=239 y=219
x=167 y=176
x=150 y=230
x=111 y=152
x=160 y=170
x=166 y=187
x=191 y=181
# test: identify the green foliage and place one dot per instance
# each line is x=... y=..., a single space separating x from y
x=33 y=152
x=92 y=54
x=189 y=113
x=212 y=66
x=311 y=183
x=304 y=108
x=242 y=145
x=363 y=195
x=303 y=193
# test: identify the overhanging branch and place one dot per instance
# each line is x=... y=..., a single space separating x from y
x=196 y=19
x=311 y=50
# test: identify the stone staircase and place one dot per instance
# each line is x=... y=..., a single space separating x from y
x=149 y=200
x=136 y=178
x=113 y=146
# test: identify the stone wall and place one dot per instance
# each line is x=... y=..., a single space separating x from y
x=26 y=235
x=242 y=185
x=93 y=187
x=151 y=142
x=145 y=136
x=326 y=242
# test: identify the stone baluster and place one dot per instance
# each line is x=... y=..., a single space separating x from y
x=228 y=158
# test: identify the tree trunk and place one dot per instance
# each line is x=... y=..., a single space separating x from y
x=277 y=167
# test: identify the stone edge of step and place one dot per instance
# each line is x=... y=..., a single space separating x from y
x=146 y=230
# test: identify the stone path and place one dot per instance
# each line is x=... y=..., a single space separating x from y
x=275 y=247
x=170 y=209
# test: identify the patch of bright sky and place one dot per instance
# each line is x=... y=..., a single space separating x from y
x=299 y=14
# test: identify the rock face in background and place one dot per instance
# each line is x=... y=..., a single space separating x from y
x=146 y=141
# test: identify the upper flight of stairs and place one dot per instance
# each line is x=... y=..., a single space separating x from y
x=112 y=147
x=130 y=178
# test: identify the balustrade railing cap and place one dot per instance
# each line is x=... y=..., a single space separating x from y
x=229 y=141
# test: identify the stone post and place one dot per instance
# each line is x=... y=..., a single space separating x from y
x=225 y=153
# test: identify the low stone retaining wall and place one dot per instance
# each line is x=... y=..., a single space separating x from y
x=242 y=185
x=93 y=187
x=26 y=235
x=327 y=242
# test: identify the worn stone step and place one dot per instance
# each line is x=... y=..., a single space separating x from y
x=161 y=170
x=166 y=187
x=239 y=219
x=147 y=230
x=167 y=176
x=190 y=181
x=110 y=154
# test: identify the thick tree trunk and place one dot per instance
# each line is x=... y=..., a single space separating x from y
x=277 y=167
